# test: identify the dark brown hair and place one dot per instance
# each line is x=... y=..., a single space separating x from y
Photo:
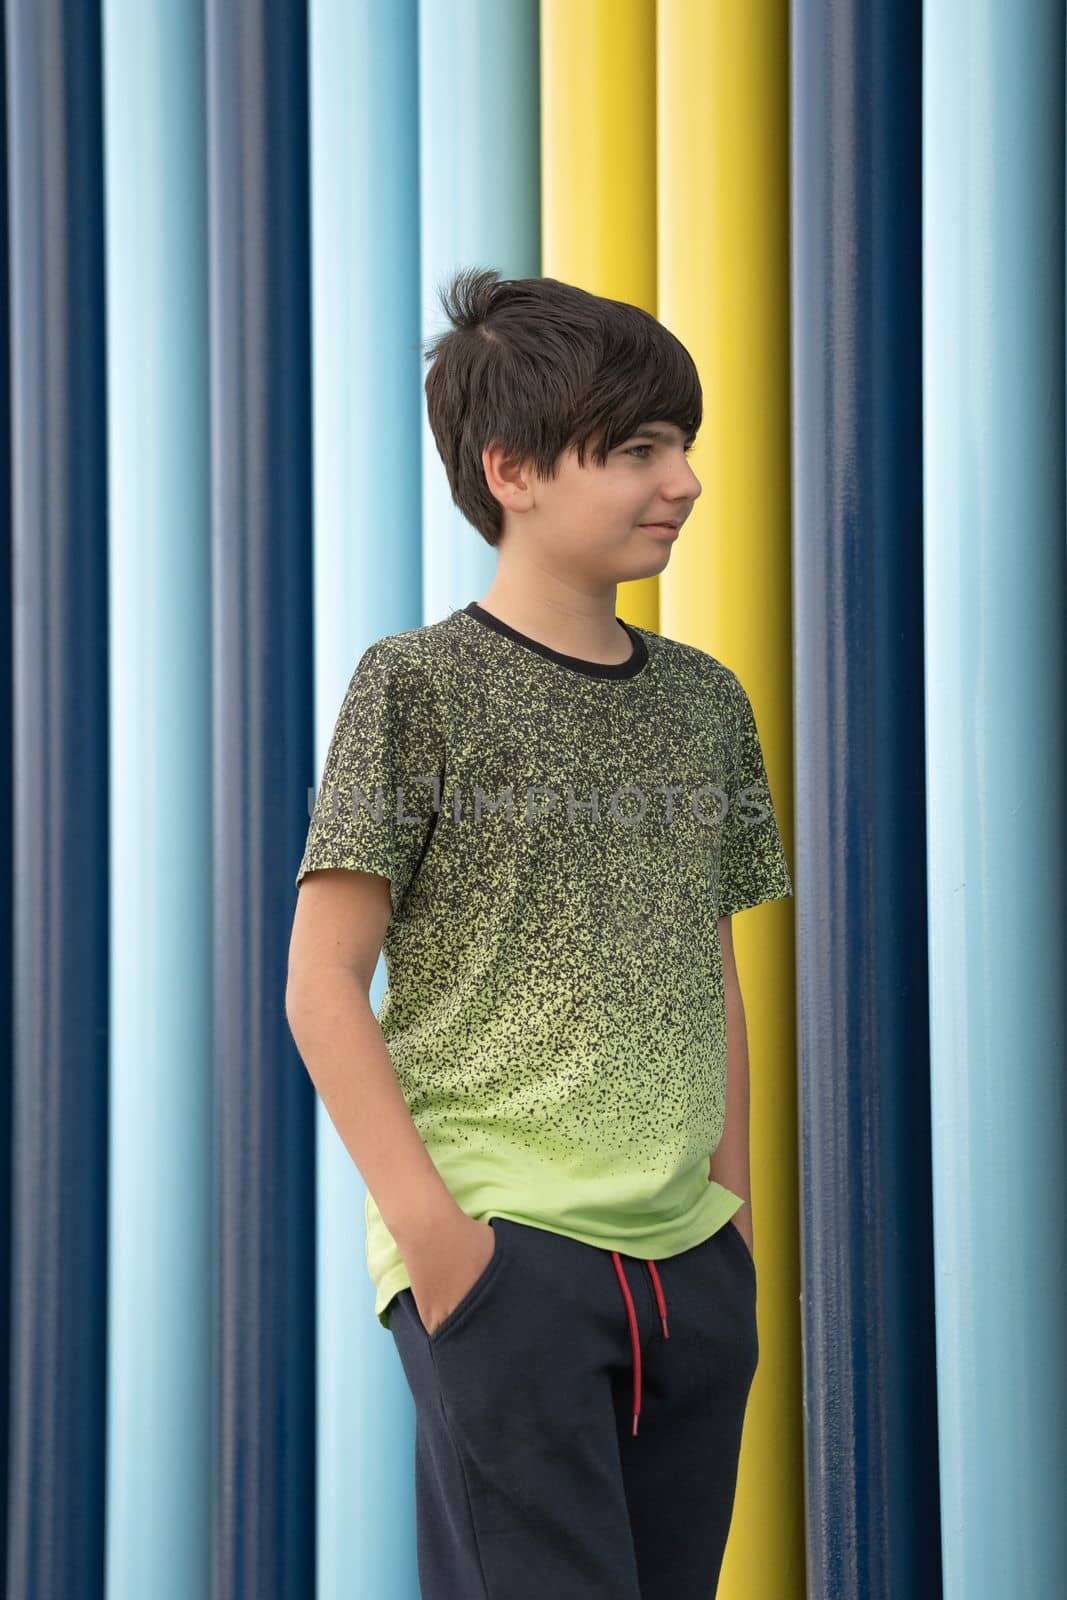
x=541 y=367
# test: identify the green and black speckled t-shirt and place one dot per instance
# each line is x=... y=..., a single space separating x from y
x=561 y=837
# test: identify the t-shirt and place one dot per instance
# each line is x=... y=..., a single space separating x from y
x=560 y=837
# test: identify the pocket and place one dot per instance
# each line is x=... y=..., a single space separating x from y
x=474 y=1295
x=741 y=1244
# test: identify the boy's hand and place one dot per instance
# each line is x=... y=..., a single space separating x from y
x=445 y=1269
x=742 y=1221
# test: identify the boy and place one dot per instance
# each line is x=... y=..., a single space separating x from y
x=546 y=817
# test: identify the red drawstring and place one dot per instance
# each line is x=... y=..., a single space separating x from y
x=635 y=1340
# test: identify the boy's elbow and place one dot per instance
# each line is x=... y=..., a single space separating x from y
x=338 y=932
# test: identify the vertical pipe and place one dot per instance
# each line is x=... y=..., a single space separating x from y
x=996 y=772
x=866 y=1247
x=159 y=573
x=261 y=663
x=60 y=856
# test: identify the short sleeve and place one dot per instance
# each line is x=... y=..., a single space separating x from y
x=378 y=801
x=752 y=865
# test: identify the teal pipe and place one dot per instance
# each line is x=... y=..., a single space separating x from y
x=996 y=766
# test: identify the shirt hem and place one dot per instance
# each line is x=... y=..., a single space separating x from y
x=657 y=1244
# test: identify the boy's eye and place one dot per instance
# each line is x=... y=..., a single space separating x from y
x=634 y=447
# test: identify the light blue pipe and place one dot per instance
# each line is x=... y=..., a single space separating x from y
x=412 y=176
x=367 y=565
x=996 y=706
x=480 y=206
x=159 y=1457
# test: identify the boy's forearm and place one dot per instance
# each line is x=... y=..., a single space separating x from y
x=340 y=1042
x=729 y=1164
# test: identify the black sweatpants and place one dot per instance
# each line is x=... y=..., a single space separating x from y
x=529 y=1477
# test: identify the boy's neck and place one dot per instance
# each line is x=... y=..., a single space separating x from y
x=583 y=626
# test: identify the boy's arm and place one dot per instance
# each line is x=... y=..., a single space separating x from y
x=338 y=931
x=729 y=1164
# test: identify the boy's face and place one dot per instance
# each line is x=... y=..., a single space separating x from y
x=588 y=520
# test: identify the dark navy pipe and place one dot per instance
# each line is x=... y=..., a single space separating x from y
x=867 y=1264
x=59 y=1146
x=7 y=775
x=264 y=1495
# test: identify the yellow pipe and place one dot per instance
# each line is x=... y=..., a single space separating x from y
x=723 y=185
x=598 y=170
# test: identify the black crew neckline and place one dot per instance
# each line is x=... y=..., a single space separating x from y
x=592 y=669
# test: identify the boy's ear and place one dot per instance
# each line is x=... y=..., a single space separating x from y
x=506 y=477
